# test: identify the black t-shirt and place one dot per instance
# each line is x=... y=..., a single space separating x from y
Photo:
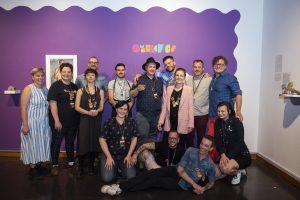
x=65 y=96
x=163 y=153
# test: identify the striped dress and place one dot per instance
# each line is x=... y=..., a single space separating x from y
x=35 y=146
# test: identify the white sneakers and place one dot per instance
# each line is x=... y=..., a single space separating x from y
x=112 y=190
x=237 y=178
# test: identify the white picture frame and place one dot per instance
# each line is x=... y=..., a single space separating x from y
x=52 y=67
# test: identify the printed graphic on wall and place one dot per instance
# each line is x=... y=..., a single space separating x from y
x=52 y=67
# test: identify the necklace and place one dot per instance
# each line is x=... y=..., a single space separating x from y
x=168 y=159
x=71 y=93
x=122 y=131
x=175 y=98
x=92 y=103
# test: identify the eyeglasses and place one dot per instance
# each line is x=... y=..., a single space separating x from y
x=93 y=62
x=219 y=65
x=172 y=138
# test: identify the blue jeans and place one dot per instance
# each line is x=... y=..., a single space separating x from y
x=147 y=128
x=109 y=175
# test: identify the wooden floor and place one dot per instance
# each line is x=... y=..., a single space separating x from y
x=260 y=183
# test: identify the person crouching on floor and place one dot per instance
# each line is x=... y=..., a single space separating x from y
x=118 y=140
x=229 y=138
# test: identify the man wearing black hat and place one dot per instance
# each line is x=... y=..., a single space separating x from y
x=149 y=91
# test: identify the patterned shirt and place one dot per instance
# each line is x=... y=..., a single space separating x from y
x=167 y=77
x=190 y=161
x=112 y=131
x=222 y=88
x=149 y=101
x=101 y=82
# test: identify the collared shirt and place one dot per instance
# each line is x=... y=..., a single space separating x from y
x=201 y=93
x=101 y=82
x=113 y=132
x=190 y=161
x=168 y=78
x=149 y=101
x=120 y=88
x=224 y=87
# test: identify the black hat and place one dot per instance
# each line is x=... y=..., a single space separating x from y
x=120 y=104
x=151 y=60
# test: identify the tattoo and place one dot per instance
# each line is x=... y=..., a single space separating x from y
x=150 y=145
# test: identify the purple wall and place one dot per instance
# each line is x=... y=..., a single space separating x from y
x=26 y=36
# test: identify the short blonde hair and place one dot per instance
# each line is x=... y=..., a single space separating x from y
x=36 y=70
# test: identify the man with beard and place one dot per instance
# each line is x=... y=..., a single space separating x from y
x=200 y=85
x=119 y=88
x=101 y=82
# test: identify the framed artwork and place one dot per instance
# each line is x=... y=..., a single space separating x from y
x=52 y=67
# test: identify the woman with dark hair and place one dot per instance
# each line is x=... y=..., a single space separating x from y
x=89 y=102
x=64 y=118
x=229 y=139
x=178 y=109
x=35 y=130
x=118 y=140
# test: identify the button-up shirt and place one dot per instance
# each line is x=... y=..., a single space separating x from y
x=120 y=88
x=191 y=162
x=224 y=87
x=113 y=132
x=167 y=77
x=149 y=101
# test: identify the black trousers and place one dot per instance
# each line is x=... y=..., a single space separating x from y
x=165 y=178
x=69 y=134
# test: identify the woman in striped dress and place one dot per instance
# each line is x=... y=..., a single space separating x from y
x=35 y=130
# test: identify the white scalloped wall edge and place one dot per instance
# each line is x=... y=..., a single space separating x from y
x=142 y=5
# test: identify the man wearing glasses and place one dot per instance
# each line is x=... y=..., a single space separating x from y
x=101 y=83
x=223 y=87
x=164 y=155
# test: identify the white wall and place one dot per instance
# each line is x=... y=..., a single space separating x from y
x=279 y=127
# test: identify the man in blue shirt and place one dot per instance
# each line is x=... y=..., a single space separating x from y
x=223 y=87
x=194 y=166
x=101 y=83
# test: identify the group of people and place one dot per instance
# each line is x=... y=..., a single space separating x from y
x=203 y=135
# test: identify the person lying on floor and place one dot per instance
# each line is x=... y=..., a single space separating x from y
x=193 y=166
x=229 y=137
x=164 y=155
